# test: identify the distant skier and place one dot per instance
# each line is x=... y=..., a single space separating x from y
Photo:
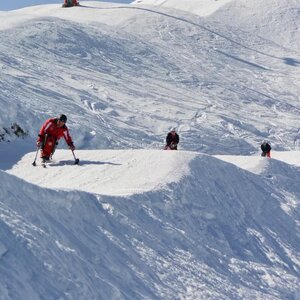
x=70 y=3
x=172 y=140
x=266 y=149
x=50 y=133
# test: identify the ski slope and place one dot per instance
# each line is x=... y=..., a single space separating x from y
x=280 y=18
x=190 y=222
x=126 y=74
x=201 y=7
x=128 y=172
x=213 y=220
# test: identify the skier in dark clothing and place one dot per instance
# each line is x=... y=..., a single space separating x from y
x=50 y=133
x=266 y=149
x=172 y=140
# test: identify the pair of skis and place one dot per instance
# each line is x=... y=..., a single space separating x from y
x=76 y=160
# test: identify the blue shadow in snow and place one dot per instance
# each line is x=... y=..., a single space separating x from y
x=81 y=162
x=242 y=60
x=291 y=61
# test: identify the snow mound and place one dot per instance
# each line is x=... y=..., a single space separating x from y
x=213 y=223
x=258 y=165
x=107 y=172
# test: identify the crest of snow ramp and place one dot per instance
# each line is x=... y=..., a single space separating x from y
x=108 y=172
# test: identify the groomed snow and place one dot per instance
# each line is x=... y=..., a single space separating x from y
x=107 y=172
x=127 y=172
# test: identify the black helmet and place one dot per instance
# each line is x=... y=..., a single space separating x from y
x=62 y=118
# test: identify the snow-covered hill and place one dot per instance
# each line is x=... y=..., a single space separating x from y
x=213 y=220
x=200 y=7
x=280 y=18
x=108 y=172
x=125 y=74
x=188 y=226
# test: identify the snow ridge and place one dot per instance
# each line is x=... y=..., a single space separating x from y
x=205 y=220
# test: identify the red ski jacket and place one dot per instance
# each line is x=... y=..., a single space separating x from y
x=51 y=129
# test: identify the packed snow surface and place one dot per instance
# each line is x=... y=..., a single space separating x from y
x=213 y=220
x=188 y=218
x=200 y=7
x=108 y=172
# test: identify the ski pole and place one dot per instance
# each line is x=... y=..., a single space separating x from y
x=76 y=159
x=36 y=154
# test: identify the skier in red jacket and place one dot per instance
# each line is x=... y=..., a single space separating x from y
x=50 y=133
x=70 y=3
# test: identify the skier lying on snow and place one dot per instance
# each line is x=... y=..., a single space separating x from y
x=172 y=140
x=50 y=133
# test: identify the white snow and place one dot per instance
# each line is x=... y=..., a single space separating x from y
x=257 y=165
x=213 y=220
x=200 y=7
x=134 y=171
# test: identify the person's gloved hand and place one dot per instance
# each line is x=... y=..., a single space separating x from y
x=38 y=143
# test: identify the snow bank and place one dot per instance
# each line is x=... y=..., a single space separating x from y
x=214 y=223
x=107 y=172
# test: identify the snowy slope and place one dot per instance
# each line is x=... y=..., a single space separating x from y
x=257 y=164
x=217 y=231
x=200 y=7
x=125 y=74
x=216 y=221
x=134 y=171
x=280 y=18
